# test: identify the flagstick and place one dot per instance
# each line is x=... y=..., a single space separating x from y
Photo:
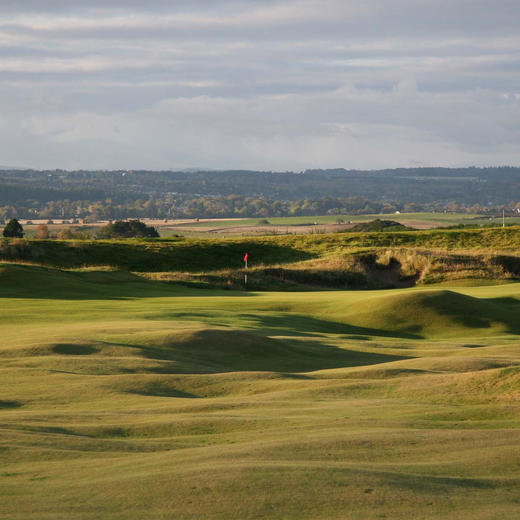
x=245 y=275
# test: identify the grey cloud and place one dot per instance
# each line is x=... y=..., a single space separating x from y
x=259 y=84
x=57 y=6
x=283 y=20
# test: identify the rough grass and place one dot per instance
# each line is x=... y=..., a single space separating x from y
x=295 y=263
x=193 y=255
x=360 y=269
x=127 y=399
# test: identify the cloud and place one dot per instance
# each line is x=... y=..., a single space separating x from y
x=275 y=84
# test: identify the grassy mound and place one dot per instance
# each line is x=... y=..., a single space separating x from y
x=29 y=281
x=378 y=225
x=433 y=313
x=216 y=350
x=475 y=385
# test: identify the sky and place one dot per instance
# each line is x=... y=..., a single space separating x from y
x=259 y=84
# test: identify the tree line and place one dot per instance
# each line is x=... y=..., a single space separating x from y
x=34 y=188
x=122 y=194
x=117 y=229
x=233 y=206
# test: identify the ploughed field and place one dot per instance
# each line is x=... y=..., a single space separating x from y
x=122 y=398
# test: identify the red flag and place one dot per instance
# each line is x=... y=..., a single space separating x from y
x=246 y=256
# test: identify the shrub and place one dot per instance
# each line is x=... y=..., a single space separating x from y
x=71 y=233
x=127 y=229
x=42 y=232
x=378 y=225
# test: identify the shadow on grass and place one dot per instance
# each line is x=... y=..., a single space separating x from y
x=476 y=313
x=217 y=351
x=35 y=282
x=7 y=405
x=162 y=390
x=506 y=300
x=74 y=349
x=306 y=325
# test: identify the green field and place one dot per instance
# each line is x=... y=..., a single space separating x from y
x=123 y=398
x=444 y=219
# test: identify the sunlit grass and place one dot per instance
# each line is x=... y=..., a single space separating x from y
x=122 y=398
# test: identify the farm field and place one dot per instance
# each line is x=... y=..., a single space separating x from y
x=322 y=224
x=308 y=224
x=122 y=398
x=281 y=225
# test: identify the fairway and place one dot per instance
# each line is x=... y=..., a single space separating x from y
x=123 y=398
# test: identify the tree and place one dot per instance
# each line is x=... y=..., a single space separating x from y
x=13 y=229
x=42 y=232
x=130 y=229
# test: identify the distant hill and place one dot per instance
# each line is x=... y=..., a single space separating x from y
x=241 y=193
x=469 y=185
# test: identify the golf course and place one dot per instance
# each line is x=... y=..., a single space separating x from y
x=122 y=397
x=259 y=260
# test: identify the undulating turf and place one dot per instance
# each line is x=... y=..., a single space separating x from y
x=122 y=398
